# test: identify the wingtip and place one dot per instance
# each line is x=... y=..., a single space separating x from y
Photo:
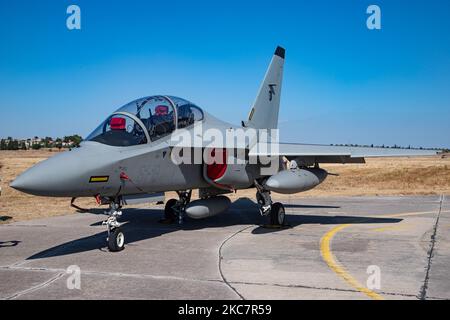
x=281 y=52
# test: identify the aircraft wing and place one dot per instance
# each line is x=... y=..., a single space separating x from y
x=334 y=154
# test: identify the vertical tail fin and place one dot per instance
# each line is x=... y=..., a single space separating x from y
x=264 y=113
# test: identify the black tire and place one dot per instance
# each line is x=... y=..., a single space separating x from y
x=116 y=240
x=169 y=212
x=277 y=214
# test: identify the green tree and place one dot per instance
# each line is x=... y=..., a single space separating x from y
x=13 y=145
x=75 y=140
x=58 y=143
x=47 y=142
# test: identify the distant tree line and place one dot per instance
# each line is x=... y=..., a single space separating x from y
x=389 y=147
x=37 y=143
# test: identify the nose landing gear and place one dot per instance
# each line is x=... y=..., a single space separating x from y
x=116 y=238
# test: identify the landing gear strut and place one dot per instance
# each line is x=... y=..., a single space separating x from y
x=275 y=211
x=116 y=238
x=175 y=208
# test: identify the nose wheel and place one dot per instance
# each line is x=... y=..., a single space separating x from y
x=116 y=238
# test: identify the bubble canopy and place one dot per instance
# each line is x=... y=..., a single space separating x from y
x=146 y=120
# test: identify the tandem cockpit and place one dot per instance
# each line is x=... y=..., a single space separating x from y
x=146 y=120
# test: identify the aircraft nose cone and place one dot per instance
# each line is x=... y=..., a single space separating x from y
x=41 y=179
x=20 y=183
x=58 y=176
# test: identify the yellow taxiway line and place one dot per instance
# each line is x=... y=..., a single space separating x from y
x=329 y=258
x=337 y=268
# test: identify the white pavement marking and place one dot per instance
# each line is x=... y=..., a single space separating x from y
x=37 y=287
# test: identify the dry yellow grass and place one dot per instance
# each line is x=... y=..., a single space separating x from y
x=18 y=206
x=391 y=176
x=388 y=176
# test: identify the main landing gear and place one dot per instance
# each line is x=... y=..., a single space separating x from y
x=174 y=209
x=116 y=238
x=275 y=211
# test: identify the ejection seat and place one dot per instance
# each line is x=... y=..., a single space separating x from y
x=161 y=122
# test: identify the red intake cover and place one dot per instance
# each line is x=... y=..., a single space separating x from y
x=216 y=171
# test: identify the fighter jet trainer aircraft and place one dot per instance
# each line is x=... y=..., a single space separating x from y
x=137 y=151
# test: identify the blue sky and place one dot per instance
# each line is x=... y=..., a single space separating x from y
x=343 y=83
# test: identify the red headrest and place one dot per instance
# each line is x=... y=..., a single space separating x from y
x=117 y=124
x=161 y=110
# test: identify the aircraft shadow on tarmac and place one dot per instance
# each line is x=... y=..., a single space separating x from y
x=142 y=224
x=295 y=220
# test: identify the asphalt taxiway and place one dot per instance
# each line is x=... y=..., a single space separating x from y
x=333 y=248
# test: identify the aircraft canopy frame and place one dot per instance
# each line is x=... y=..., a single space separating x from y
x=146 y=120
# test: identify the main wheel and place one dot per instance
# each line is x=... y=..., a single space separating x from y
x=169 y=212
x=277 y=214
x=116 y=240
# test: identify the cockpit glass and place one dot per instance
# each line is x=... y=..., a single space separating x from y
x=120 y=131
x=187 y=112
x=156 y=114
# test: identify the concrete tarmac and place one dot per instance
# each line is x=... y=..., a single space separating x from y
x=333 y=248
